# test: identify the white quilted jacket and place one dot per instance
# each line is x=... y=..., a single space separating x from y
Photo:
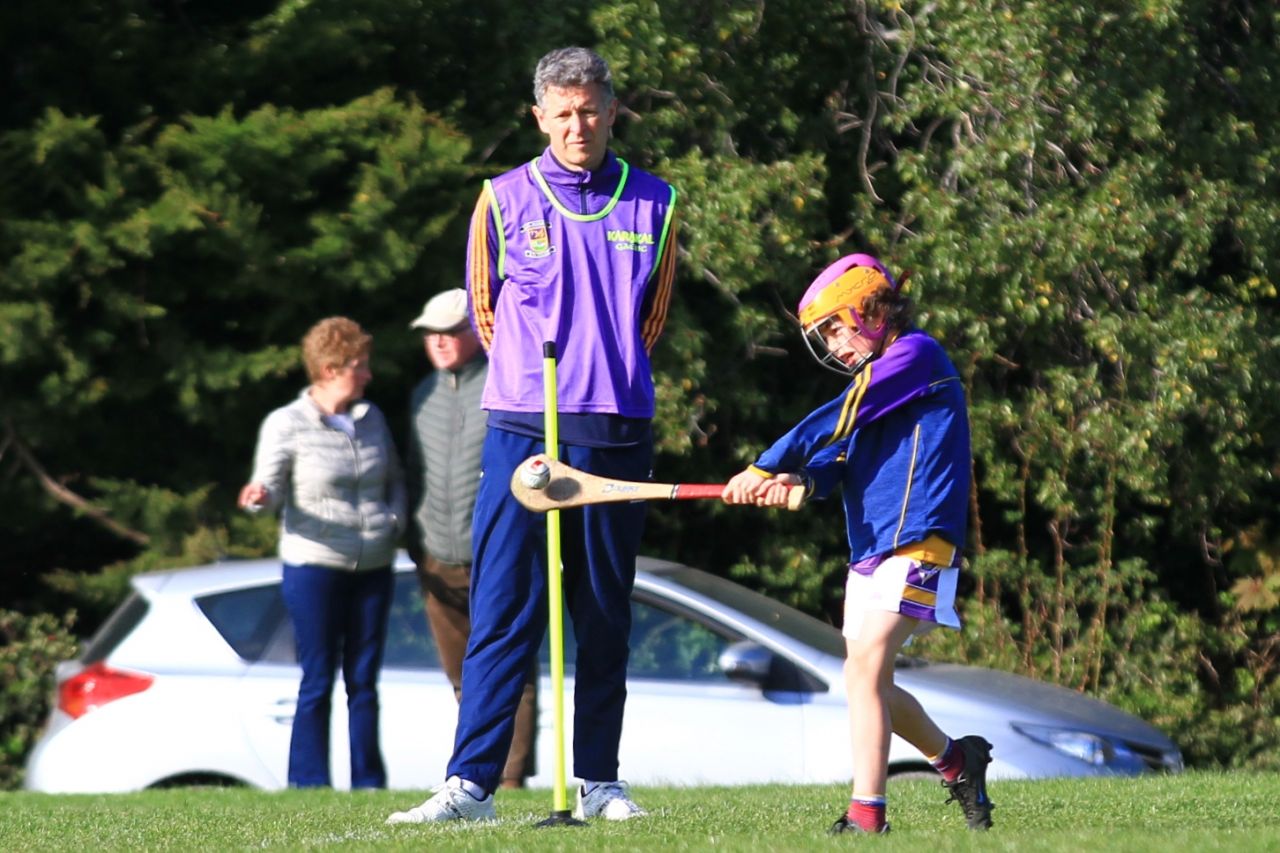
x=343 y=499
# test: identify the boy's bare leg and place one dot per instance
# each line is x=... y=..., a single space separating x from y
x=877 y=707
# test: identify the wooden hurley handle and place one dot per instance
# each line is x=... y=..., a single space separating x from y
x=569 y=488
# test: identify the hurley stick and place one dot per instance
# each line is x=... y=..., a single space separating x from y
x=567 y=487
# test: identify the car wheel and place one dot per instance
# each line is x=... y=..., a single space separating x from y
x=913 y=773
x=199 y=780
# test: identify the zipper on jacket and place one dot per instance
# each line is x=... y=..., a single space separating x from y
x=355 y=458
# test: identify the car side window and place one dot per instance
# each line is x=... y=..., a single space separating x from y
x=409 y=641
x=247 y=619
x=673 y=646
x=665 y=644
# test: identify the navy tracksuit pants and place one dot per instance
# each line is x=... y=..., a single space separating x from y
x=509 y=610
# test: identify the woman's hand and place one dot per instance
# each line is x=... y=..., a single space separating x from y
x=253 y=497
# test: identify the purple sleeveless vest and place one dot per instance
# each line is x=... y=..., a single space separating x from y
x=579 y=280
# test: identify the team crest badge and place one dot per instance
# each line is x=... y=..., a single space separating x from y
x=535 y=233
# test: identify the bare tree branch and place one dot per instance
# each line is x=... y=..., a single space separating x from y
x=64 y=495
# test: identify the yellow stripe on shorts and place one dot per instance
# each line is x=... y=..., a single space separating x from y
x=919 y=596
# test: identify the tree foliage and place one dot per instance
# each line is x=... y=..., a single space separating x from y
x=1086 y=195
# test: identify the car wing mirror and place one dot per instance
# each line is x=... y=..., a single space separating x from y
x=751 y=663
x=747 y=662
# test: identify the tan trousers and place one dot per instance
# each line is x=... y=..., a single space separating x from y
x=446 y=589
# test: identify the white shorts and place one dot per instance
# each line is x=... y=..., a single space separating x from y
x=902 y=585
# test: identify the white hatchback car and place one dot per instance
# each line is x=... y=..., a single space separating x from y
x=193 y=680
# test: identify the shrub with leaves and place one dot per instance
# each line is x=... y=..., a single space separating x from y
x=30 y=648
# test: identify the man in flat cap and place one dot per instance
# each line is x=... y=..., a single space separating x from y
x=447 y=428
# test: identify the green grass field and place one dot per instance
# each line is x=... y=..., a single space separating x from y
x=1194 y=811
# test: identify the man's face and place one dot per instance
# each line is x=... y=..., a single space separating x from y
x=577 y=120
x=451 y=350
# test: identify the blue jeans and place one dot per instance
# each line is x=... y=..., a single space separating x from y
x=337 y=614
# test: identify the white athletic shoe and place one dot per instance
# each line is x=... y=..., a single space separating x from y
x=450 y=801
x=608 y=800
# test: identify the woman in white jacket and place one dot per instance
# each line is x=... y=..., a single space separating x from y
x=328 y=463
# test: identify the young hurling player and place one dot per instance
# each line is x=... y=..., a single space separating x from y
x=897 y=441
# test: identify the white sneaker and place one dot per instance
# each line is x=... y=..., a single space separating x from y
x=608 y=800
x=449 y=801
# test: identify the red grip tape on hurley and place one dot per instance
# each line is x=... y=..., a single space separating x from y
x=693 y=491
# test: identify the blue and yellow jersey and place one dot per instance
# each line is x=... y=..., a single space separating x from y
x=897 y=440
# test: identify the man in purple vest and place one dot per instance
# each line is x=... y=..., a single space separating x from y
x=577 y=248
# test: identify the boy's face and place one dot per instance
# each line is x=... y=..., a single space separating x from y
x=845 y=343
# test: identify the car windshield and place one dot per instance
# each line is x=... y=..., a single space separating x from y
x=781 y=617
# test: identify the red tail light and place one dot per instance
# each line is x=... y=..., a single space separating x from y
x=96 y=685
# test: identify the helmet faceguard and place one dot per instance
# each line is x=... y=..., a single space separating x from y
x=838 y=294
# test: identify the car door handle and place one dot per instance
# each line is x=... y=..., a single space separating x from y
x=284 y=712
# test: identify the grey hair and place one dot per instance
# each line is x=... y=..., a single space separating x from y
x=567 y=67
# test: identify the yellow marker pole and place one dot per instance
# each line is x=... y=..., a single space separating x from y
x=560 y=815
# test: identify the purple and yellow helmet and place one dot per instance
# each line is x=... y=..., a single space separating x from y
x=838 y=292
